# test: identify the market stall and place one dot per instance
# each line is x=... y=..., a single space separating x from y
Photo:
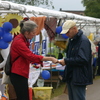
x=50 y=20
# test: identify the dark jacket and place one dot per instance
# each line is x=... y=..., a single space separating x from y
x=78 y=60
x=99 y=55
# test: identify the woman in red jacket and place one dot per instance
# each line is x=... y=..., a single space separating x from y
x=21 y=57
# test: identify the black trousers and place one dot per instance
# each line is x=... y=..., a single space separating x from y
x=20 y=84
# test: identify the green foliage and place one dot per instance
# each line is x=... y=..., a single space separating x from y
x=55 y=50
x=44 y=3
x=92 y=8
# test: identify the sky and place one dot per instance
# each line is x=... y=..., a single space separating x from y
x=68 y=4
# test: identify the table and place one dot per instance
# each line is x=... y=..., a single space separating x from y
x=54 y=69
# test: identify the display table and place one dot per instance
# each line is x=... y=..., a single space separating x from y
x=50 y=65
x=54 y=69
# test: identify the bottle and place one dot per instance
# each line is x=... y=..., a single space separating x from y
x=40 y=82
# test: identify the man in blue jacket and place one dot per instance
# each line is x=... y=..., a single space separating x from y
x=78 y=70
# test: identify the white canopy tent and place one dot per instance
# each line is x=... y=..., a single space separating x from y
x=10 y=7
x=27 y=10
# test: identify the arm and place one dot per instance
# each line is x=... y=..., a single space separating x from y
x=54 y=60
x=25 y=52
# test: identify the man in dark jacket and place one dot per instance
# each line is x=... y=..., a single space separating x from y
x=78 y=70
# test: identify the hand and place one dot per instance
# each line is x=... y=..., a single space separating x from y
x=62 y=62
x=54 y=60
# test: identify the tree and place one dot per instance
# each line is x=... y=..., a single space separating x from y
x=43 y=3
x=92 y=8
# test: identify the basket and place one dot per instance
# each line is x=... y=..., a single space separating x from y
x=42 y=93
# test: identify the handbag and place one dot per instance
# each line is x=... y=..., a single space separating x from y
x=8 y=65
x=7 y=68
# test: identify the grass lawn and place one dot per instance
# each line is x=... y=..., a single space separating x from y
x=58 y=91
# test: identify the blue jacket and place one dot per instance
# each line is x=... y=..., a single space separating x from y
x=78 y=60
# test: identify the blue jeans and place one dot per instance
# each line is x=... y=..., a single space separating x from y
x=76 y=92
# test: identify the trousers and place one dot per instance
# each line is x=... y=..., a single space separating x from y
x=20 y=84
x=76 y=92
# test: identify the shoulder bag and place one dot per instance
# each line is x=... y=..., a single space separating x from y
x=8 y=64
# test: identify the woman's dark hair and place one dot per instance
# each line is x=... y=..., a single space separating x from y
x=28 y=26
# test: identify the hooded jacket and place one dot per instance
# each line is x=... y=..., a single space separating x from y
x=78 y=60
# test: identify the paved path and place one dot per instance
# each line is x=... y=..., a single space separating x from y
x=92 y=93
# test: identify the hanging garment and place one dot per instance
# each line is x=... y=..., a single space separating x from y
x=40 y=22
x=50 y=26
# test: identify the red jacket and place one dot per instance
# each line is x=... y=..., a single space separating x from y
x=20 y=49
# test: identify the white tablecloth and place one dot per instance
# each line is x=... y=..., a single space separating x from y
x=33 y=76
